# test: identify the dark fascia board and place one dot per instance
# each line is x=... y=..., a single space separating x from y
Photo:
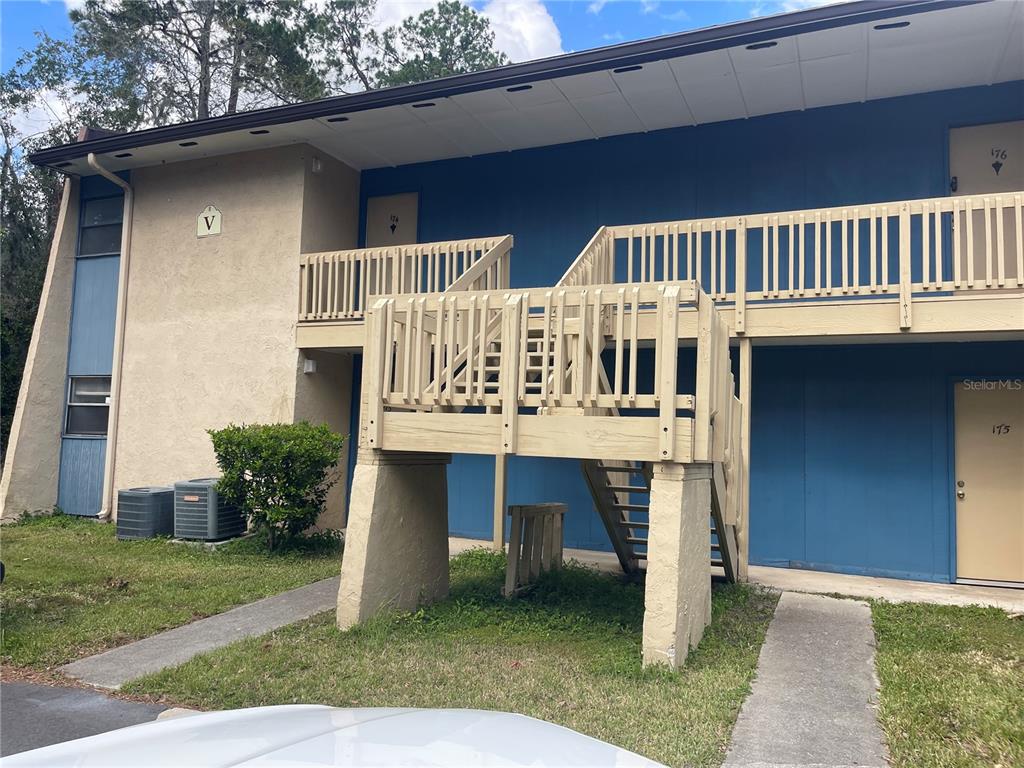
x=621 y=55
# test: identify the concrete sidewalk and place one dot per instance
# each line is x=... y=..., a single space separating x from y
x=893 y=590
x=176 y=646
x=114 y=668
x=823 y=582
x=813 y=701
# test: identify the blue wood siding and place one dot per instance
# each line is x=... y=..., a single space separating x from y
x=93 y=308
x=81 y=475
x=552 y=199
x=851 y=446
x=851 y=453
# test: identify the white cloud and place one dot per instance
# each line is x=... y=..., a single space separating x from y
x=679 y=14
x=391 y=12
x=597 y=6
x=788 y=6
x=523 y=29
x=46 y=110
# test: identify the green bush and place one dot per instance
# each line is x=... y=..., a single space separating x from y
x=279 y=474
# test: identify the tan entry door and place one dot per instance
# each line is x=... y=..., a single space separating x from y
x=989 y=416
x=987 y=160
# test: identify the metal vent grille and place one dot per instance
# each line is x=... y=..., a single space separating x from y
x=199 y=513
x=145 y=512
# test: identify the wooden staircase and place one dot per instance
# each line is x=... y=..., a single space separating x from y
x=622 y=497
x=543 y=350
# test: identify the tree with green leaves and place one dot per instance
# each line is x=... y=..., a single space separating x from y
x=450 y=39
x=195 y=59
x=133 y=64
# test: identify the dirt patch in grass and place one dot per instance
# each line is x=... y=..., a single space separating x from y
x=952 y=685
x=72 y=589
x=567 y=652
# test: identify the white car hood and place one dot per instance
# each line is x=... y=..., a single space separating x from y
x=306 y=736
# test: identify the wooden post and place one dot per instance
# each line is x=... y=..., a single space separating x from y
x=509 y=373
x=373 y=383
x=666 y=384
x=704 y=386
x=500 y=488
x=741 y=276
x=905 y=273
x=743 y=523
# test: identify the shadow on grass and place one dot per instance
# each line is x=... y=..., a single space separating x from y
x=599 y=610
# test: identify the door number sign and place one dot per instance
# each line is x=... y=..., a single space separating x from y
x=998 y=158
x=208 y=222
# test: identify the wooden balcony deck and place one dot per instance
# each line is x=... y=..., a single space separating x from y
x=896 y=270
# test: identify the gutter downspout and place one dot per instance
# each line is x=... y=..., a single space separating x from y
x=106 y=502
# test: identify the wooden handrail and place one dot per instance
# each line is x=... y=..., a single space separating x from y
x=899 y=248
x=541 y=348
x=489 y=272
x=338 y=285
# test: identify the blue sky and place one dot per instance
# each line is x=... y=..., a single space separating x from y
x=526 y=28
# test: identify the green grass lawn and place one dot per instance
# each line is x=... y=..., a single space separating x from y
x=568 y=652
x=952 y=685
x=72 y=589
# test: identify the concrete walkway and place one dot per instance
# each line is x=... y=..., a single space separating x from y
x=176 y=646
x=821 y=582
x=893 y=590
x=813 y=701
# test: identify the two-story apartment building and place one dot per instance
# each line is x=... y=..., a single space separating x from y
x=563 y=246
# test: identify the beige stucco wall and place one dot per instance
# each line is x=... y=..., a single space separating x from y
x=325 y=396
x=330 y=205
x=210 y=322
x=32 y=462
x=330 y=221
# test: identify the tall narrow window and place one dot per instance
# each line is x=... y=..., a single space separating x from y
x=88 y=405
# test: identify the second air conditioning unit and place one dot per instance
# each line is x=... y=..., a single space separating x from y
x=200 y=513
x=143 y=513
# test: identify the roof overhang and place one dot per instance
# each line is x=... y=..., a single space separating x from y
x=845 y=53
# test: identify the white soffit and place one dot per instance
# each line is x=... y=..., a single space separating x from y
x=921 y=52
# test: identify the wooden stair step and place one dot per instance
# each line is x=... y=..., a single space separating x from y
x=633 y=524
x=636 y=540
x=634 y=507
x=628 y=489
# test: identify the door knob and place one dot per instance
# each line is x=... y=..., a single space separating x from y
x=960 y=494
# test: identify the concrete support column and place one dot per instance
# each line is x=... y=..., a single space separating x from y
x=396 y=543
x=678 y=592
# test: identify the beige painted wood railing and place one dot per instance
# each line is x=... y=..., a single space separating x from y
x=530 y=353
x=338 y=285
x=902 y=248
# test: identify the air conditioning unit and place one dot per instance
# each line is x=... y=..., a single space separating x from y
x=143 y=513
x=199 y=513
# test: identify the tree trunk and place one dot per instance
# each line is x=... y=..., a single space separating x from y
x=205 y=70
x=237 y=44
